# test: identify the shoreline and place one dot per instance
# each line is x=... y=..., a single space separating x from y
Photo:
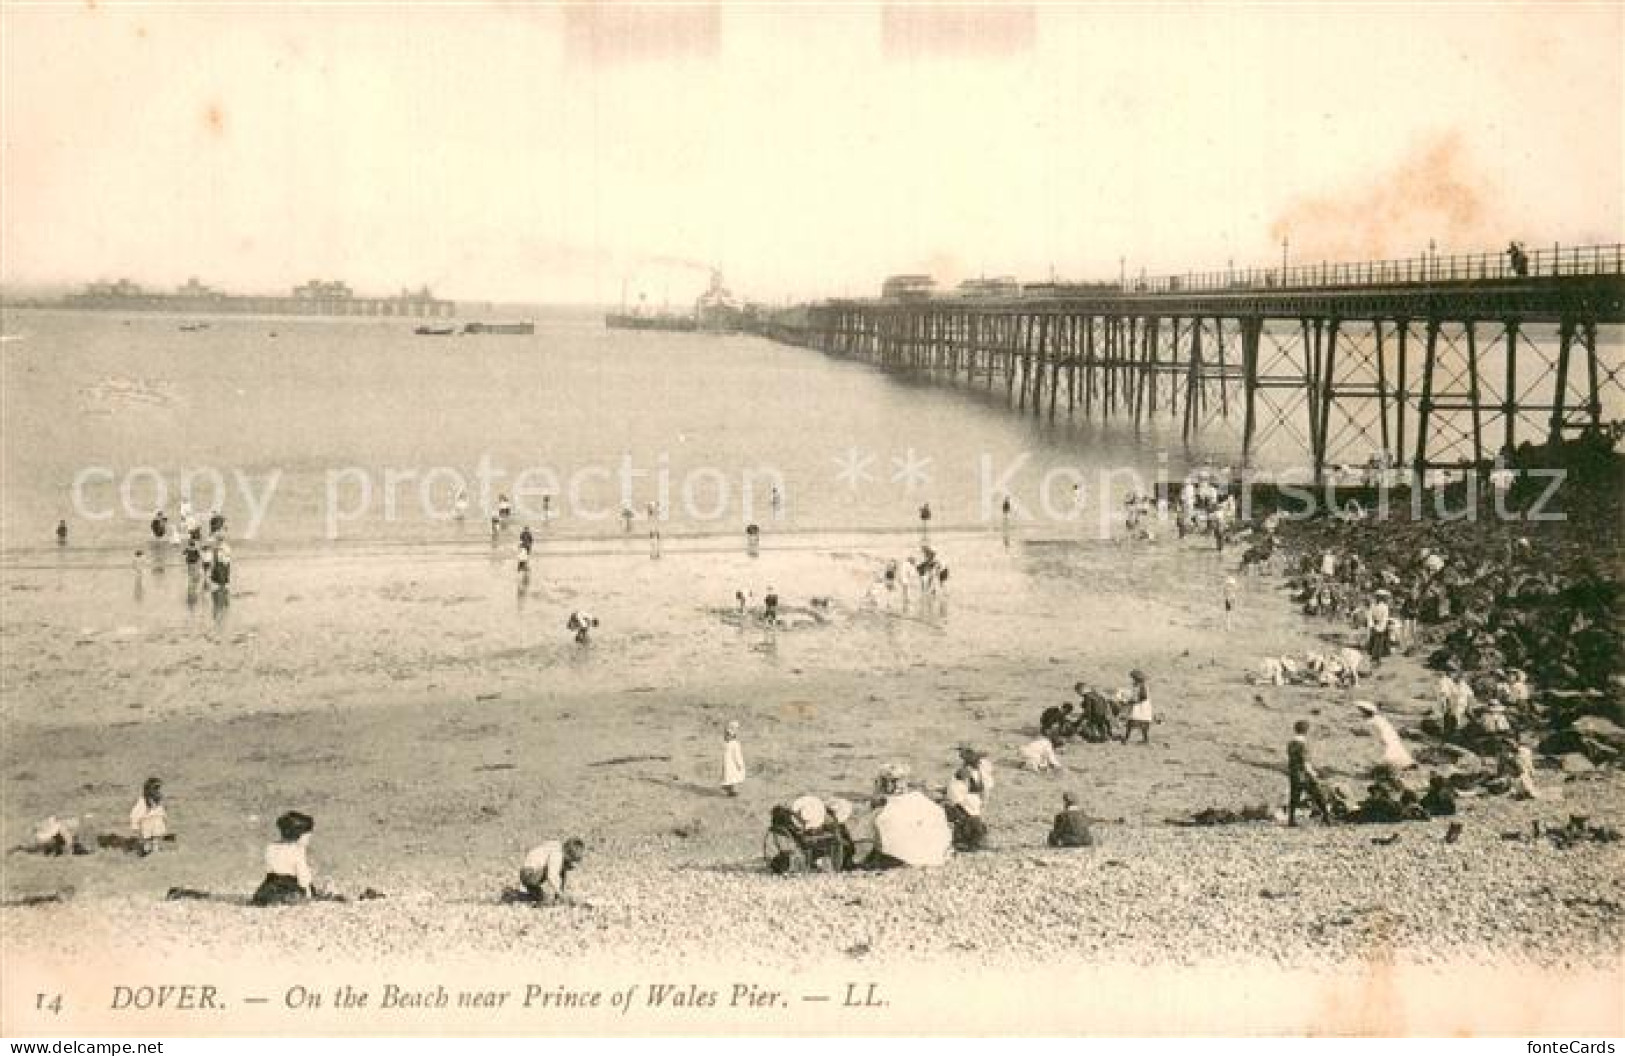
x=431 y=795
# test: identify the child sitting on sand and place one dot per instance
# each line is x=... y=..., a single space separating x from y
x=963 y=809
x=1071 y=826
x=147 y=818
x=56 y=836
x=976 y=771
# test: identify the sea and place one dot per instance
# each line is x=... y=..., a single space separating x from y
x=336 y=450
x=313 y=431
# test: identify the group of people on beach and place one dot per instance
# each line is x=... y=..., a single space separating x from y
x=289 y=877
x=1095 y=718
x=580 y=624
x=1485 y=705
x=203 y=549
x=1389 y=798
x=904 y=822
x=1477 y=608
x=149 y=828
x=894 y=589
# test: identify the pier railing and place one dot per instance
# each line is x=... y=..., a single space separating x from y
x=1445 y=360
x=1426 y=269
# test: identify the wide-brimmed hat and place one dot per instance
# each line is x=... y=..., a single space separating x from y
x=293 y=825
x=1384 y=594
x=1137 y=675
x=152 y=784
x=732 y=727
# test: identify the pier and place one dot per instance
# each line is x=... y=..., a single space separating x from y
x=1437 y=362
x=316 y=297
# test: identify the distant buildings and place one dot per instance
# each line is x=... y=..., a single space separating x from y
x=908 y=287
x=317 y=290
x=316 y=297
x=1003 y=286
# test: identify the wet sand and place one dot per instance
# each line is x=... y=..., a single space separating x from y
x=435 y=734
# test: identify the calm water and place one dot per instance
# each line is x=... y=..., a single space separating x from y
x=408 y=599
x=322 y=411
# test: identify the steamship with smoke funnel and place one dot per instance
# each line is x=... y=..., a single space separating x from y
x=715 y=311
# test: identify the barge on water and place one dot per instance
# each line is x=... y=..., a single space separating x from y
x=664 y=321
x=523 y=328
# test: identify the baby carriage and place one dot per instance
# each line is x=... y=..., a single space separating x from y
x=792 y=847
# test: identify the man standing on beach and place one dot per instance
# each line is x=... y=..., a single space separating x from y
x=1377 y=623
x=1301 y=777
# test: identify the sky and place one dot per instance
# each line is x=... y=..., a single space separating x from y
x=565 y=152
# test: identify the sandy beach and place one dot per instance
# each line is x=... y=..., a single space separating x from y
x=432 y=762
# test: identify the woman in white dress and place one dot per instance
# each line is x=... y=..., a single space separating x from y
x=1140 y=715
x=733 y=760
x=1394 y=752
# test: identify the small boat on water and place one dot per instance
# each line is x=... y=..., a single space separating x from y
x=526 y=327
x=189 y=327
x=435 y=331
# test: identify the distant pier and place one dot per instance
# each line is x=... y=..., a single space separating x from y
x=1431 y=361
x=316 y=297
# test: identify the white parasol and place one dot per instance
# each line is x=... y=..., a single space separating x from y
x=914 y=830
